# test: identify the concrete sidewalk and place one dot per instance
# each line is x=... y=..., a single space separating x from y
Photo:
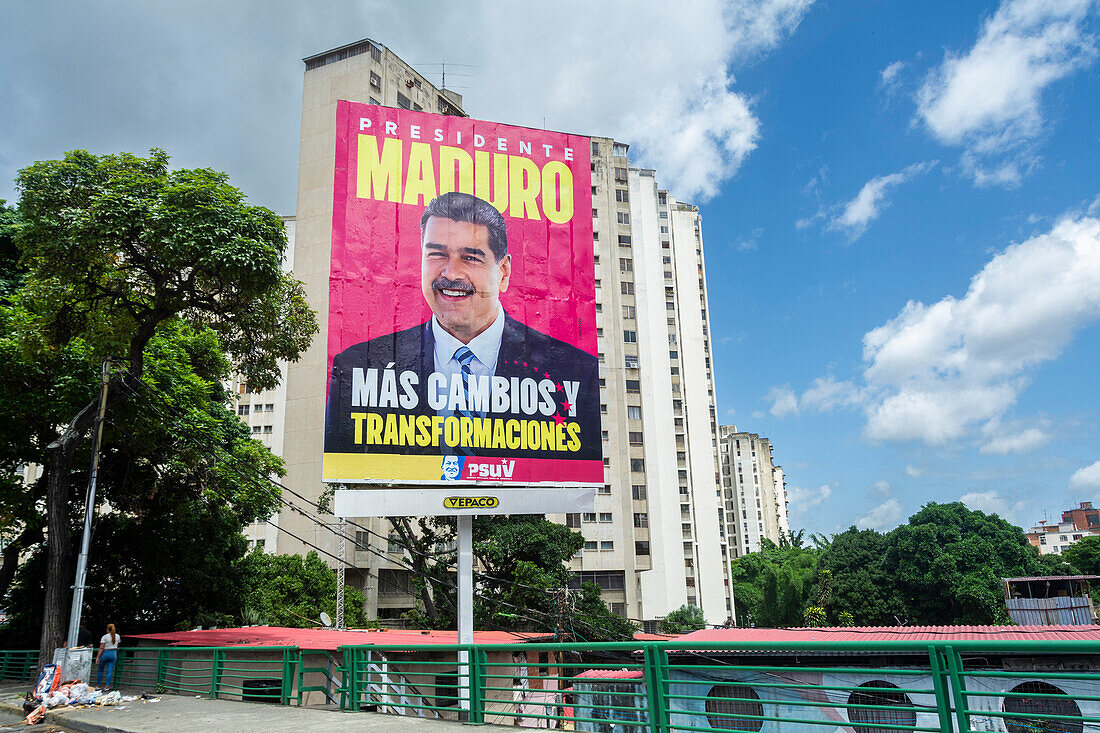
x=178 y=714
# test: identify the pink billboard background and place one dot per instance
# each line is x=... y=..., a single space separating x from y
x=375 y=277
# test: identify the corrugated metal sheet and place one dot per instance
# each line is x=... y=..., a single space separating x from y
x=1053 y=577
x=329 y=639
x=611 y=674
x=1065 y=610
x=1062 y=632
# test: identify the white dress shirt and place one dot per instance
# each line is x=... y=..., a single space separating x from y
x=486 y=348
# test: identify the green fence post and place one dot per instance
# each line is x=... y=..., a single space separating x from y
x=162 y=669
x=943 y=699
x=479 y=684
x=119 y=664
x=656 y=693
x=958 y=689
x=289 y=657
x=215 y=673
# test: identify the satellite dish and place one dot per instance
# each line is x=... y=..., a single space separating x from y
x=326 y=619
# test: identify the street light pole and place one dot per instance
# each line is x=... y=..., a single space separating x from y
x=89 y=509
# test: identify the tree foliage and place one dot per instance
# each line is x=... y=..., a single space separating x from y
x=518 y=587
x=291 y=590
x=944 y=566
x=170 y=271
x=1084 y=555
x=683 y=620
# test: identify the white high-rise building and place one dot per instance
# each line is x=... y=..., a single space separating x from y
x=657 y=537
x=753 y=489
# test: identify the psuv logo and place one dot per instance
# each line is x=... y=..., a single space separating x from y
x=471 y=502
x=502 y=470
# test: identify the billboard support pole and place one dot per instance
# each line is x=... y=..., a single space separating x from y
x=465 y=604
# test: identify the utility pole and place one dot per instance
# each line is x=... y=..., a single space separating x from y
x=341 y=550
x=89 y=510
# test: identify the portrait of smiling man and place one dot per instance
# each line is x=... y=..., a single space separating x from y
x=465 y=266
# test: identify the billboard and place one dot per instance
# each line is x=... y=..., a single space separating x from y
x=462 y=320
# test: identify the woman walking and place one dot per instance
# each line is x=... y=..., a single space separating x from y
x=108 y=653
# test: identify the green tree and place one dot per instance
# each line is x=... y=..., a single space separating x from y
x=861 y=587
x=948 y=562
x=116 y=249
x=683 y=620
x=774 y=586
x=1084 y=555
x=289 y=590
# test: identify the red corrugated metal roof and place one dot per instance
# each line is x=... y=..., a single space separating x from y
x=329 y=639
x=1056 y=577
x=899 y=633
x=643 y=636
x=611 y=674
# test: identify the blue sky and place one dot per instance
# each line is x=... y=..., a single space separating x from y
x=900 y=200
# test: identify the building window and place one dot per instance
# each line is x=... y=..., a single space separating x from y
x=590 y=544
x=635 y=437
x=619 y=150
x=375 y=80
x=1041 y=706
x=633 y=386
x=623 y=217
x=362 y=540
x=641 y=547
x=726 y=703
x=627 y=288
x=638 y=492
x=620 y=175
x=607 y=545
x=242 y=409
x=630 y=361
x=880 y=692
x=637 y=465
x=629 y=312
x=589 y=516
x=573 y=521
x=622 y=195
x=605 y=489
x=393 y=544
x=634 y=412
x=641 y=520
x=605 y=516
x=256 y=429
x=630 y=337
x=624 y=240
x=267 y=429
x=403 y=102
x=626 y=264
x=595 y=149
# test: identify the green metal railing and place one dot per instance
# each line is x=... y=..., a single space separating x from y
x=951 y=687
x=255 y=673
x=18 y=664
x=670 y=686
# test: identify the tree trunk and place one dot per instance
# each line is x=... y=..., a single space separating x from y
x=59 y=468
x=12 y=551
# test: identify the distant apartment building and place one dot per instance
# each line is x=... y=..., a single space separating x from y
x=657 y=537
x=1076 y=524
x=754 y=491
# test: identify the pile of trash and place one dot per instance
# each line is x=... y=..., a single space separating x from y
x=51 y=692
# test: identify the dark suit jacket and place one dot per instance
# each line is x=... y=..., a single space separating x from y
x=524 y=352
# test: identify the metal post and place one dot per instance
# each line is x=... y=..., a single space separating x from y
x=341 y=550
x=465 y=607
x=89 y=509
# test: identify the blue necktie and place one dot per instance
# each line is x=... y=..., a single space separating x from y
x=464 y=357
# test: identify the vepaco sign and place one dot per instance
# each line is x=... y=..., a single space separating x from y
x=471 y=502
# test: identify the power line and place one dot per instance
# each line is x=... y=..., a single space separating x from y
x=265 y=482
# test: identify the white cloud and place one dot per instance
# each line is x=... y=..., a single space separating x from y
x=938 y=371
x=655 y=75
x=1021 y=442
x=988 y=99
x=855 y=216
x=884 y=516
x=913 y=471
x=889 y=76
x=749 y=243
x=991 y=502
x=1087 y=478
x=784 y=401
x=880 y=488
x=828 y=394
x=802 y=498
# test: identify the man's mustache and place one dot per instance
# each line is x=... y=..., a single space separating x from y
x=442 y=283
